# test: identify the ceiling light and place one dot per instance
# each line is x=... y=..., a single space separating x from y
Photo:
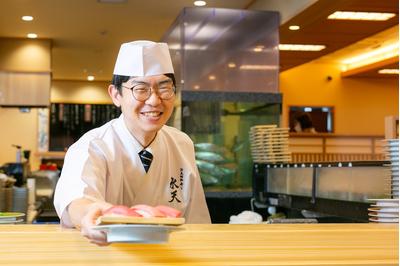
x=349 y=15
x=31 y=35
x=258 y=67
x=211 y=77
x=27 y=18
x=231 y=65
x=374 y=59
x=376 y=55
x=258 y=48
x=196 y=87
x=294 y=27
x=388 y=71
x=301 y=47
x=199 y=3
x=90 y=78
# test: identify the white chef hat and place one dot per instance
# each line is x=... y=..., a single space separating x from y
x=143 y=58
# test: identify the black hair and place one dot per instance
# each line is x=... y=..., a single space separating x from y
x=117 y=80
x=305 y=120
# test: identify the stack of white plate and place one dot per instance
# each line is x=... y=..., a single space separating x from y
x=384 y=211
x=392 y=154
x=270 y=144
x=11 y=217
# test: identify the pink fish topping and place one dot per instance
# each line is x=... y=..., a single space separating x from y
x=147 y=211
x=120 y=210
x=169 y=211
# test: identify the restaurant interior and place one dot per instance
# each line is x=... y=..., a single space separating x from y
x=240 y=64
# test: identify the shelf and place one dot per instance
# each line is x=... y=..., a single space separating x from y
x=51 y=154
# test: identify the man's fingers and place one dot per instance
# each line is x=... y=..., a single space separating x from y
x=101 y=244
x=96 y=237
x=88 y=221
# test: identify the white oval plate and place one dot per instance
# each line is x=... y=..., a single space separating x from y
x=137 y=233
x=384 y=215
x=10 y=215
x=384 y=209
x=384 y=220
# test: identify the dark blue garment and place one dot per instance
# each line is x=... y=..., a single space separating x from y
x=146 y=158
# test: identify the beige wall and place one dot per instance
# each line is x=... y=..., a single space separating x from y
x=25 y=55
x=80 y=92
x=360 y=104
x=21 y=55
x=20 y=129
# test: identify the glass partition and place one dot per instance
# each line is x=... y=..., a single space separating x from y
x=226 y=62
x=218 y=49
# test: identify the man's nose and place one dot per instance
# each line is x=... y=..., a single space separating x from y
x=154 y=98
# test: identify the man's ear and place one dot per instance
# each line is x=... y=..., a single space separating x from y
x=115 y=95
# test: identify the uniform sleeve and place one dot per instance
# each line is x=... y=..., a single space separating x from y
x=83 y=175
x=197 y=210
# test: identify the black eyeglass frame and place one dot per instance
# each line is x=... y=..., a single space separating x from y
x=150 y=91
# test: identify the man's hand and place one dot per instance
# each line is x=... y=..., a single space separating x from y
x=89 y=220
x=84 y=213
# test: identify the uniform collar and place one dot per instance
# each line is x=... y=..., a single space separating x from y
x=131 y=141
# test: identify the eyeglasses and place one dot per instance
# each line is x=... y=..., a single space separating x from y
x=142 y=91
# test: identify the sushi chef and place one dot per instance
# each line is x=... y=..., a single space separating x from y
x=135 y=158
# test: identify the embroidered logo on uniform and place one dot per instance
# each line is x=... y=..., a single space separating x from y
x=174 y=185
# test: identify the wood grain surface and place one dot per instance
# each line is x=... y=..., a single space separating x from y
x=218 y=244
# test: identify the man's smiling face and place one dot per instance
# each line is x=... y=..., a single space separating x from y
x=144 y=118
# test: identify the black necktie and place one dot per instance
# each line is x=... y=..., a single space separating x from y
x=146 y=158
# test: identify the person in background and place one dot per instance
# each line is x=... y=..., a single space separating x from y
x=303 y=123
x=136 y=158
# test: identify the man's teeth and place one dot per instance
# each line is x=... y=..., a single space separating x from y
x=152 y=114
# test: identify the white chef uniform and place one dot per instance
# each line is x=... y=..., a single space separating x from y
x=104 y=165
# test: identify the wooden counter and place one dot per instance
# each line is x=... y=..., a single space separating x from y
x=218 y=244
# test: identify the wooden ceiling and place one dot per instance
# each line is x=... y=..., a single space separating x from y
x=335 y=34
x=86 y=35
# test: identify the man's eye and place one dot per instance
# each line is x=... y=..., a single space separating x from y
x=140 y=89
x=165 y=87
